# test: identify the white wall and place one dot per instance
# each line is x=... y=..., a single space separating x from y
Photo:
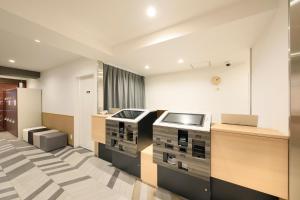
x=60 y=89
x=29 y=104
x=192 y=91
x=60 y=86
x=270 y=98
x=34 y=83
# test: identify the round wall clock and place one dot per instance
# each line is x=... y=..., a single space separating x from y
x=216 y=80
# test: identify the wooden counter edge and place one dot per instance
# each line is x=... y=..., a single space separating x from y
x=148 y=167
x=248 y=130
x=101 y=115
x=98 y=127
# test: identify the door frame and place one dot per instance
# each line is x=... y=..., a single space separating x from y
x=77 y=108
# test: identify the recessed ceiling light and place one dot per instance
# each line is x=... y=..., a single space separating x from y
x=37 y=41
x=11 y=61
x=151 y=11
x=180 y=61
x=147 y=67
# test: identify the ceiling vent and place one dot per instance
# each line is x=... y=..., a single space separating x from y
x=199 y=65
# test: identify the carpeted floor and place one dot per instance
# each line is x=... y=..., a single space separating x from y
x=7 y=135
x=69 y=173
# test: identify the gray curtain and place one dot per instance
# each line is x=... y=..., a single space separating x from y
x=122 y=89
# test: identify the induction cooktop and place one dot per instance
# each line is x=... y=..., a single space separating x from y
x=128 y=114
x=185 y=119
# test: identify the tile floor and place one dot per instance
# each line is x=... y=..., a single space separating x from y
x=69 y=173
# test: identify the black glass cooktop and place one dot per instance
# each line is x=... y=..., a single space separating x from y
x=186 y=119
x=128 y=114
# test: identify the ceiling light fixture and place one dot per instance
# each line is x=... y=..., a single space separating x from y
x=37 y=41
x=180 y=61
x=294 y=2
x=151 y=11
x=147 y=67
x=11 y=61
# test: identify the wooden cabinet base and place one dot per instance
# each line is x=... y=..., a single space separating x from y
x=256 y=162
x=181 y=184
x=148 y=167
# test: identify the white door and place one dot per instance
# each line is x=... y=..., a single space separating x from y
x=85 y=112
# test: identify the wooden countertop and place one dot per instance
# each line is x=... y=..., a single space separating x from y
x=148 y=150
x=248 y=130
x=101 y=115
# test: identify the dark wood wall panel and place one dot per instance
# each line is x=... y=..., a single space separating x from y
x=7 y=84
x=11 y=111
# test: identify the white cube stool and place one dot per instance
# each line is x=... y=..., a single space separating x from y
x=26 y=130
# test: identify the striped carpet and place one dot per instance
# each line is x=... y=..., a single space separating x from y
x=69 y=173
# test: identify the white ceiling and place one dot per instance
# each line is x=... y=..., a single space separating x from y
x=30 y=55
x=119 y=32
x=229 y=42
x=108 y=21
